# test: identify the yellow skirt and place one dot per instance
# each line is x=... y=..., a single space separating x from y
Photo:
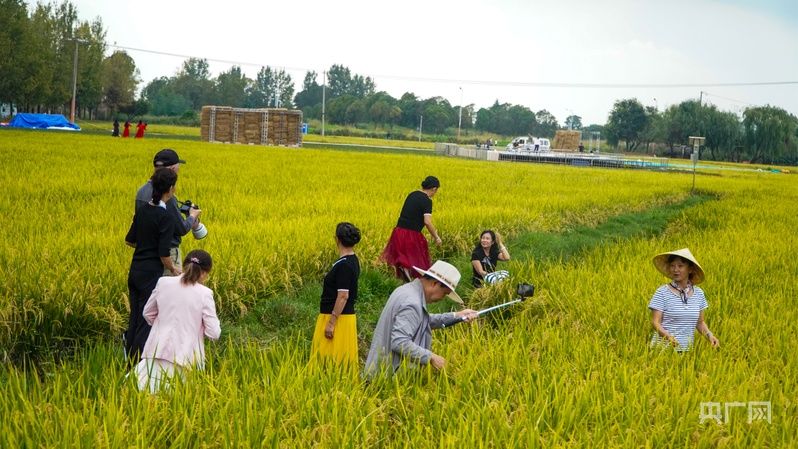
x=342 y=347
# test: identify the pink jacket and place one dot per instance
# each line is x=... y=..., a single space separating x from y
x=180 y=316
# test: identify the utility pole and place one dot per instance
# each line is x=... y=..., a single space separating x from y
x=460 y=118
x=323 y=103
x=75 y=78
x=420 y=124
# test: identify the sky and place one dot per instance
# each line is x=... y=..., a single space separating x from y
x=539 y=54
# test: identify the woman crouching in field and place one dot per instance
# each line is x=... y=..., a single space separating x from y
x=335 y=337
x=181 y=312
x=677 y=308
x=488 y=252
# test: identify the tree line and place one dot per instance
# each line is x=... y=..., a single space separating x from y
x=36 y=63
x=765 y=134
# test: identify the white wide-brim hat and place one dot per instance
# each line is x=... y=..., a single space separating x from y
x=661 y=262
x=447 y=274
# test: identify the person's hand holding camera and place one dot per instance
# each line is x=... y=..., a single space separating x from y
x=194 y=212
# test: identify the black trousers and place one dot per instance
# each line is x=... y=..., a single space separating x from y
x=140 y=285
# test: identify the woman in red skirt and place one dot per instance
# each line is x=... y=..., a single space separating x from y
x=407 y=247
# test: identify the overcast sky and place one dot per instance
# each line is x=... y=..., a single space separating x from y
x=492 y=49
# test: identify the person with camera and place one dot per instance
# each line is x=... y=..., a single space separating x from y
x=168 y=158
x=677 y=308
x=488 y=252
x=404 y=330
x=182 y=314
x=151 y=235
x=335 y=337
x=407 y=246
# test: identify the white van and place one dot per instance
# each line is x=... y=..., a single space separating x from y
x=526 y=143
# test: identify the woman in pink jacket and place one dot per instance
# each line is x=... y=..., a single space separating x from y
x=181 y=312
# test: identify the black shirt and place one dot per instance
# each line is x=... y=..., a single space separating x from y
x=151 y=231
x=342 y=276
x=488 y=263
x=417 y=204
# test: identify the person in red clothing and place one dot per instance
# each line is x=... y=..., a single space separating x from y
x=408 y=248
x=140 y=130
x=126 y=132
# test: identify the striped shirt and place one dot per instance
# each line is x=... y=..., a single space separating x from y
x=677 y=318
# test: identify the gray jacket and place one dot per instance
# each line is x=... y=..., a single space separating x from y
x=403 y=331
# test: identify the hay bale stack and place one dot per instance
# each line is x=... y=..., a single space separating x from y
x=283 y=126
x=567 y=140
x=223 y=130
x=293 y=128
x=205 y=123
x=249 y=128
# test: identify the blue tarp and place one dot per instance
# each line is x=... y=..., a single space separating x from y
x=42 y=121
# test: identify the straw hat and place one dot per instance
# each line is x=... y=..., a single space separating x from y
x=661 y=262
x=447 y=274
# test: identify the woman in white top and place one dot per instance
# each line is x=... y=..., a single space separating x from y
x=182 y=313
x=677 y=308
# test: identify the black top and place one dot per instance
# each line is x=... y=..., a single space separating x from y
x=488 y=263
x=183 y=224
x=343 y=276
x=416 y=205
x=151 y=231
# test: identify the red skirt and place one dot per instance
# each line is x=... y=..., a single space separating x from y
x=407 y=249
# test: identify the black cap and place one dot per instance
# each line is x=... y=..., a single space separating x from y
x=167 y=158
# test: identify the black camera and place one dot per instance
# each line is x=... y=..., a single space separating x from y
x=186 y=206
x=525 y=290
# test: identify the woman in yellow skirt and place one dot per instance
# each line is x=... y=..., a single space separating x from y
x=335 y=338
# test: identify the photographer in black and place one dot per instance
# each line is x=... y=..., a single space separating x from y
x=168 y=158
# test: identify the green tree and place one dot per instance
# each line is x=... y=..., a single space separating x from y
x=680 y=122
x=627 y=122
x=337 y=108
x=89 y=89
x=311 y=93
x=193 y=82
x=62 y=21
x=362 y=87
x=654 y=130
x=769 y=132
x=722 y=133
x=573 y=122
x=268 y=85
x=120 y=77
x=160 y=94
x=136 y=108
x=14 y=57
x=411 y=110
x=436 y=118
x=356 y=112
x=547 y=124
x=339 y=80
x=231 y=88
x=379 y=112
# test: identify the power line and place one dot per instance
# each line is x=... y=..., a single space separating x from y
x=491 y=83
x=730 y=99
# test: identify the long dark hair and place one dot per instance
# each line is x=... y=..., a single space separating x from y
x=162 y=180
x=494 y=247
x=194 y=264
x=347 y=234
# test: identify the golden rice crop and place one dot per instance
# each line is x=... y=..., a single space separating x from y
x=571 y=367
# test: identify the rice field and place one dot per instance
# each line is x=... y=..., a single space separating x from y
x=569 y=368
